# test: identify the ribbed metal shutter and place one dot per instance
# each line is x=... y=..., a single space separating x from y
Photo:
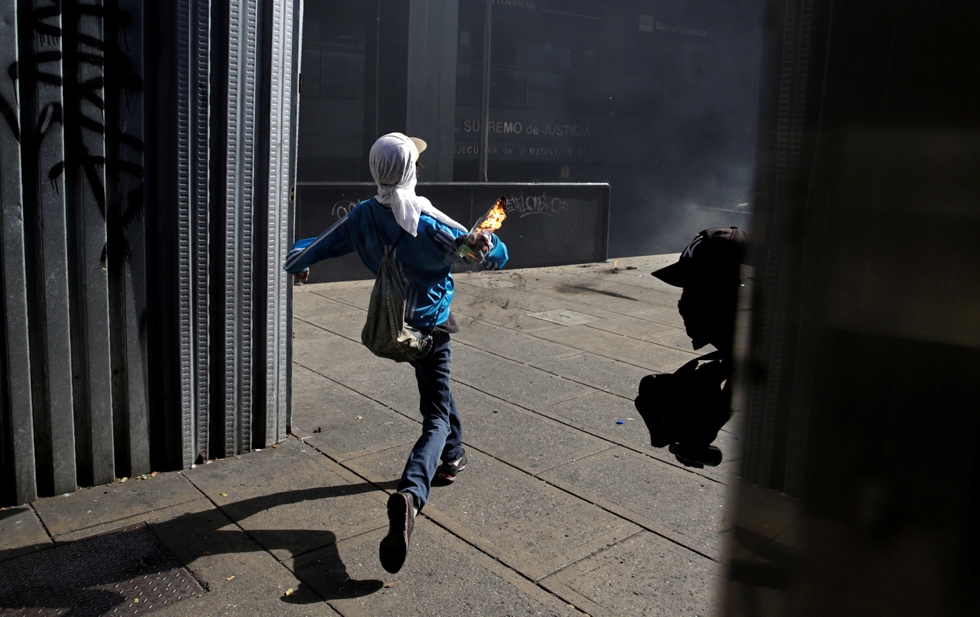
x=145 y=307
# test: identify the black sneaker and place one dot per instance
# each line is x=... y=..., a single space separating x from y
x=401 y=520
x=696 y=456
x=447 y=471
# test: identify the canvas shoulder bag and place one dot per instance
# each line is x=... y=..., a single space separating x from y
x=385 y=332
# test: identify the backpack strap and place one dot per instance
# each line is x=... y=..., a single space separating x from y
x=378 y=234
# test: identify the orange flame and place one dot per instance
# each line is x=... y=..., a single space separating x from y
x=495 y=217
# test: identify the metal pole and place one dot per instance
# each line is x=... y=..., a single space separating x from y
x=485 y=101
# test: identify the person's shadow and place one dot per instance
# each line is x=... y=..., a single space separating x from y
x=189 y=537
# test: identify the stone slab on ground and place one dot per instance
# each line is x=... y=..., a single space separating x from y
x=337 y=317
x=506 y=342
x=344 y=422
x=644 y=326
x=241 y=578
x=353 y=293
x=509 y=380
x=600 y=294
x=492 y=425
x=21 y=532
x=597 y=413
x=501 y=305
x=526 y=523
x=599 y=372
x=619 y=285
x=687 y=507
x=292 y=499
x=442 y=577
x=113 y=502
x=644 y=575
x=643 y=354
x=517 y=320
x=325 y=352
x=215 y=550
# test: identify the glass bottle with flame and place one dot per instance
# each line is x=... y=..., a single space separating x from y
x=490 y=222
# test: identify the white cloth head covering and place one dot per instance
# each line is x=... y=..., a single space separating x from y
x=392 y=162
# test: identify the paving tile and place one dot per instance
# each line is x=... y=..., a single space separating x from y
x=639 y=276
x=564 y=317
x=113 y=502
x=490 y=280
x=509 y=343
x=343 y=421
x=606 y=295
x=490 y=425
x=599 y=372
x=469 y=311
x=342 y=319
x=181 y=510
x=642 y=287
x=389 y=383
x=635 y=326
x=509 y=380
x=292 y=499
x=241 y=578
x=384 y=467
x=350 y=363
x=354 y=293
x=526 y=523
x=214 y=549
x=475 y=301
x=305 y=300
x=649 y=322
x=442 y=577
x=596 y=414
x=21 y=532
x=326 y=352
x=679 y=339
x=616 y=347
x=688 y=507
x=664 y=315
x=643 y=575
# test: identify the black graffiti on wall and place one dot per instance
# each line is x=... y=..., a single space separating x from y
x=94 y=69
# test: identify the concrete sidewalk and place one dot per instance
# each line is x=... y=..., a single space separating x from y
x=561 y=511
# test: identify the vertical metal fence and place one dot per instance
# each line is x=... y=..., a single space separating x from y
x=144 y=304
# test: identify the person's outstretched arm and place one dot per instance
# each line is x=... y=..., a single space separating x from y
x=334 y=242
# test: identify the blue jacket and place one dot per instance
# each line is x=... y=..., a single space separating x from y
x=424 y=262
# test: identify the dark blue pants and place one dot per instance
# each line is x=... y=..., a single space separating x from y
x=442 y=433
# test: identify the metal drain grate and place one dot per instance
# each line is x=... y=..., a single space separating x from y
x=126 y=572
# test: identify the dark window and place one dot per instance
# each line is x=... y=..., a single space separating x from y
x=467 y=50
x=697 y=62
x=507 y=86
x=640 y=98
x=343 y=75
x=469 y=84
x=311 y=71
x=579 y=94
x=543 y=91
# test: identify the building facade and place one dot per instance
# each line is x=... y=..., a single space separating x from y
x=656 y=97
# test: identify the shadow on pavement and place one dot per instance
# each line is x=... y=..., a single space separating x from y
x=77 y=573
